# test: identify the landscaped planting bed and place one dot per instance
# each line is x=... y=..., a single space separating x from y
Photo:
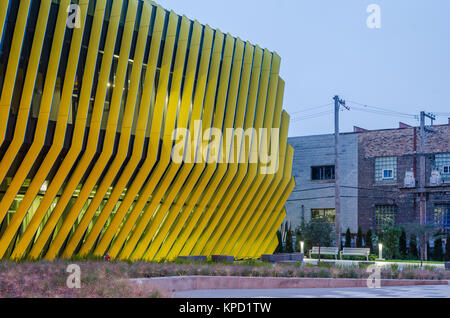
x=109 y=279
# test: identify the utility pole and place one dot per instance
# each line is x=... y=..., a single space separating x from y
x=337 y=189
x=422 y=171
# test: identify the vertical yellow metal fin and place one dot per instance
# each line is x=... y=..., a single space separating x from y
x=28 y=89
x=11 y=69
x=38 y=141
x=214 y=172
x=175 y=183
x=112 y=124
x=208 y=110
x=212 y=198
x=179 y=136
x=79 y=129
x=173 y=96
x=195 y=181
x=58 y=140
x=93 y=139
x=155 y=135
x=217 y=241
x=139 y=138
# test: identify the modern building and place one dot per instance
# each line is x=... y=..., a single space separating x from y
x=313 y=169
x=380 y=174
x=100 y=98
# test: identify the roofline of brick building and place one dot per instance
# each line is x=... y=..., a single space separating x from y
x=359 y=130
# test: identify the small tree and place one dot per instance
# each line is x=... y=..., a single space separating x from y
x=279 y=248
x=413 y=251
x=289 y=241
x=438 y=252
x=368 y=239
x=348 y=238
x=390 y=238
x=423 y=232
x=318 y=232
x=402 y=244
x=359 y=238
x=447 y=249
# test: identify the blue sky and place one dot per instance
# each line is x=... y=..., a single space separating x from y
x=327 y=49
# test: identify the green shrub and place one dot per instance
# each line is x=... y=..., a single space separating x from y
x=352 y=273
x=394 y=267
x=438 y=252
x=368 y=240
x=359 y=238
x=408 y=274
x=326 y=264
x=413 y=251
x=362 y=265
x=447 y=249
x=324 y=273
x=348 y=238
x=402 y=245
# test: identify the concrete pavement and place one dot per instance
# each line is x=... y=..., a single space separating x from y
x=442 y=291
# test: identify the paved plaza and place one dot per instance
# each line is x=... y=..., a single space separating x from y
x=436 y=291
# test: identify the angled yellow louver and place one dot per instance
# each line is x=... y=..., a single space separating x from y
x=90 y=133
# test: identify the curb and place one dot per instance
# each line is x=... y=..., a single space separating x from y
x=182 y=283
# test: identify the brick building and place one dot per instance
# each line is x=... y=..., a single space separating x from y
x=379 y=177
x=385 y=159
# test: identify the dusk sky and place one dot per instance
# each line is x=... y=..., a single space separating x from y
x=327 y=49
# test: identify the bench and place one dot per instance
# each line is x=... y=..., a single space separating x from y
x=324 y=251
x=355 y=251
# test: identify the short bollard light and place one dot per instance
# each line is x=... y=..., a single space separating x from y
x=302 y=245
x=380 y=251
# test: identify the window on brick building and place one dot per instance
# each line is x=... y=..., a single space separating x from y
x=322 y=173
x=385 y=216
x=442 y=216
x=442 y=163
x=327 y=214
x=386 y=169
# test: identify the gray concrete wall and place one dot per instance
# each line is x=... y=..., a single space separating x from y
x=319 y=151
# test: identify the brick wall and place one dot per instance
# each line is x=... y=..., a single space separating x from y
x=403 y=144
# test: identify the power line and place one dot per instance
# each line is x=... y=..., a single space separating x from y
x=328 y=197
x=372 y=189
x=311 y=116
x=383 y=113
x=442 y=114
x=389 y=112
x=383 y=109
x=311 y=108
x=311 y=189
x=342 y=196
x=350 y=187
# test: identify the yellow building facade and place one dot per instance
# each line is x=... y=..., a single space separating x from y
x=128 y=130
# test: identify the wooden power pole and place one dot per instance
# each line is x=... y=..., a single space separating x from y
x=422 y=171
x=337 y=189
